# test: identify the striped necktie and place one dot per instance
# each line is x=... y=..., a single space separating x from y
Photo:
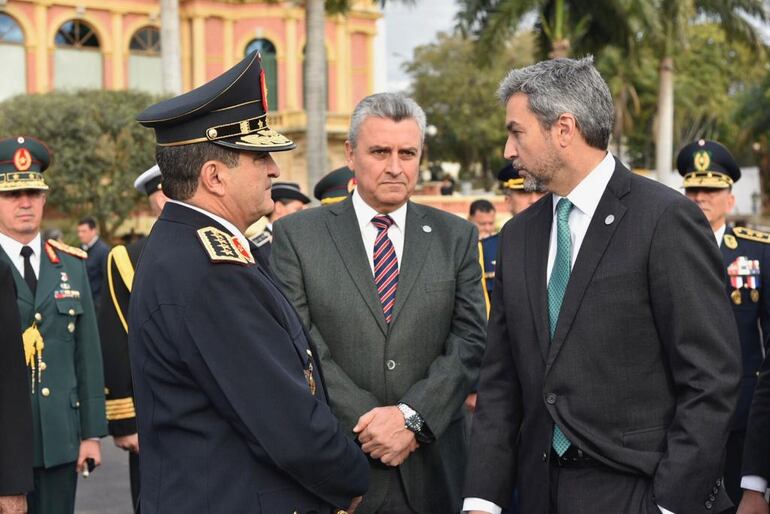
x=385 y=265
x=557 y=285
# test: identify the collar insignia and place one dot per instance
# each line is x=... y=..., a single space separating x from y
x=222 y=247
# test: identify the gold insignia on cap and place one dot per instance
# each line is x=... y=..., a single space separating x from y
x=755 y=295
x=22 y=159
x=731 y=242
x=752 y=235
x=221 y=246
x=211 y=133
x=514 y=183
x=701 y=160
x=736 y=296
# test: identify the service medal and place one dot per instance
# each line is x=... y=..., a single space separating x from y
x=736 y=296
x=755 y=295
x=310 y=378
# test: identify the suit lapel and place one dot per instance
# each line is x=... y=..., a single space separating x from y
x=594 y=245
x=416 y=245
x=536 y=258
x=22 y=289
x=343 y=229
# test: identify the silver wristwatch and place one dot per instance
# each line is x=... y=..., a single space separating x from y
x=412 y=419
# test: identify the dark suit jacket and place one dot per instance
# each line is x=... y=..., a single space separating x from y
x=644 y=366
x=756 y=449
x=113 y=320
x=226 y=417
x=752 y=315
x=96 y=265
x=15 y=410
x=427 y=357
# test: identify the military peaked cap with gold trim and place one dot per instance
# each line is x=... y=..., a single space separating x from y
x=335 y=186
x=230 y=111
x=707 y=164
x=22 y=163
x=509 y=178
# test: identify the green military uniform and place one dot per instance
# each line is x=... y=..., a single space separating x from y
x=61 y=343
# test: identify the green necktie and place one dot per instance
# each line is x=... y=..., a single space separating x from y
x=557 y=285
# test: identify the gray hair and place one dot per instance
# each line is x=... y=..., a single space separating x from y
x=392 y=106
x=561 y=86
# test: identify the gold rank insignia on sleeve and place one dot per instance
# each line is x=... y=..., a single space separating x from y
x=121 y=408
x=71 y=250
x=222 y=247
x=752 y=235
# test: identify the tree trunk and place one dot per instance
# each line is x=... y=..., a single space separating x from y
x=559 y=48
x=664 y=140
x=315 y=91
x=170 y=47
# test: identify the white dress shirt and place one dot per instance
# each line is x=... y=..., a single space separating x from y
x=13 y=249
x=364 y=215
x=229 y=226
x=720 y=234
x=585 y=197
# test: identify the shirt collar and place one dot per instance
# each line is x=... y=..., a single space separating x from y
x=228 y=225
x=13 y=247
x=719 y=234
x=365 y=213
x=589 y=191
x=91 y=243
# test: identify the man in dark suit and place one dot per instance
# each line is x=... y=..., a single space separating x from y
x=709 y=172
x=612 y=365
x=231 y=406
x=756 y=452
x=97 y=251
x=16 y=419
x=113 y=332
x=391 y=293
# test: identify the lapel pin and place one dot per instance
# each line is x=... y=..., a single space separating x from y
x=609 y=219
x=426 y=229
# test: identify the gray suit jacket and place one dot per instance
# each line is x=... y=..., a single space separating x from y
x=643 y=370
x=429 y=355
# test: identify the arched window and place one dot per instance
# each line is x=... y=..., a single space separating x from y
x=13 y=57
x=326 y=76
x=270 y=65
x=145 y=68
x=77 y=58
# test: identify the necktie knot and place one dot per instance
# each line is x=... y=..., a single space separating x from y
x=382 y=222
x=26 y=252
x=563 y=208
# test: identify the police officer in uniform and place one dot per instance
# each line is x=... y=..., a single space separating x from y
x=16 y=417
x=231 y=407
x=60 y=338
x=335 y=186
x=288 y=199
x=113 y=329
x=709 y=172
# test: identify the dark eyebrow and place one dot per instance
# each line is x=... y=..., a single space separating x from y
x=374 y=148
x=410 y=149
x=511 y=125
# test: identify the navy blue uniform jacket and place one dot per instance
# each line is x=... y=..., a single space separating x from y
x=226 y=418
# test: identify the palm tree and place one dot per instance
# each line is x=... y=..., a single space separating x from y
x=315 y=89
x=169 y=48
x=666 y=21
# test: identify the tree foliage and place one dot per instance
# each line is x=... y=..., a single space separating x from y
x=459 y=98
x=98 y=148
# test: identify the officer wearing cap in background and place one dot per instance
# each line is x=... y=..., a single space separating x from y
x=231 y=407
x=60 y=338
x=517 y=197
x=113 y=332
x=709 y=172
x=335 y=186
x=287 y=199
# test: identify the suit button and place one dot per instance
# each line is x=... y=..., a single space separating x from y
x=550 y=398
x=712 y=498
x=43 y=366
x=391 y=364
x=38 y=317
x=708 y=505
x=545 y=456
x=45 y=391
x=71 y=312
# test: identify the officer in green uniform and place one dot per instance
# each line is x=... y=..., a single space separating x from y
x=709 y=172
x=335 y=186
x=60 y=338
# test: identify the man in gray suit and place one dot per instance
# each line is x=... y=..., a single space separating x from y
x=612 y=363
x=391 y=294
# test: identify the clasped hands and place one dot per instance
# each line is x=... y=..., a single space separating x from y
x=383 y=435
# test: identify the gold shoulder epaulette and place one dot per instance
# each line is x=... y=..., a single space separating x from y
x=752 y=235
x=77 y=252
x=222 y=247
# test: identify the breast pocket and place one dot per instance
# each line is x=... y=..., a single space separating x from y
x=440 y=286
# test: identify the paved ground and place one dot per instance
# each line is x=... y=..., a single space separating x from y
x=107 y=490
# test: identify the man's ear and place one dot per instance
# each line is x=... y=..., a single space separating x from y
x=213 y=177
x=349 y=155
x=565 y=129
